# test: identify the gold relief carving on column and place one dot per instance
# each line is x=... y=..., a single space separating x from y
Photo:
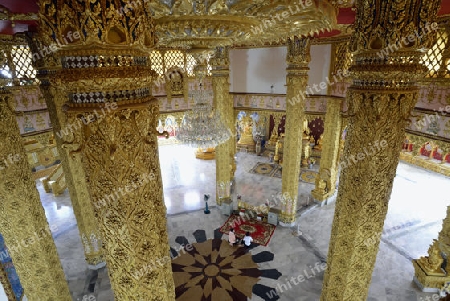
x=375 y=134
x=73 y=171
x=120 y=158
x=24 y=226
x=327 y=176
x=298 y=57
x=4 y=282
x=225 y=165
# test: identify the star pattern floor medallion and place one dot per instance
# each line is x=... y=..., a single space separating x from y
x=212 y=270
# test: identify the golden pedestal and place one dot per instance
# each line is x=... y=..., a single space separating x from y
x=428 y=281
x=205 y=154
x=247 y=143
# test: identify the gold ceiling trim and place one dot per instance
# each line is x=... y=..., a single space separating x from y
x=6 y=14
x=201 y=24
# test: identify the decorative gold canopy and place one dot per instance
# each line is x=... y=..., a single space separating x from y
x=202 y=24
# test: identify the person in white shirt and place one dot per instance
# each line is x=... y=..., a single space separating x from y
x=247 y=240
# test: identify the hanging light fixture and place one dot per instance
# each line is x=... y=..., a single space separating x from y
x=202 y=127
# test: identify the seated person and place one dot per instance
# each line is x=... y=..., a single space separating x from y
x=232 y=237
x=247 y=240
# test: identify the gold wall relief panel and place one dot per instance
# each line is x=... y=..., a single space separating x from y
x=23 y=223
x=121 y=163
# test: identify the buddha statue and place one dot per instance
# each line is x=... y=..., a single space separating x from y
x=246 y=139
x=318 y=146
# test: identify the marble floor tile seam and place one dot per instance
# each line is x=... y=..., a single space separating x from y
x=406 y=231
x=397 y=249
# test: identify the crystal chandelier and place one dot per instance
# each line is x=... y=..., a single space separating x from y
x=202 y=127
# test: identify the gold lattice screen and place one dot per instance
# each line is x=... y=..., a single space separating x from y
x=161 y=61
x=437 y=59
x=157 y=62
x=22 y=60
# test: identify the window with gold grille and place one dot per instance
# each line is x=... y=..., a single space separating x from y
x=173 y=58
x=22 y=60
x=163 y=61
x=156 y=60
x=343 y=57
x=5 y=71
x=190 y=64
x=434 y=60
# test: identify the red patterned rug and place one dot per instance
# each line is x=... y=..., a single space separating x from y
x=260 y=232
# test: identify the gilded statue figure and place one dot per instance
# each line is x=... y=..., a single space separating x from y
x=432 y=263
x=318 y=146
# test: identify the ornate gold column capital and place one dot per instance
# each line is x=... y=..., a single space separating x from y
x=411 y=29
x=220 y=61
x=388 y=50
x=109 y=25
x=298 y=51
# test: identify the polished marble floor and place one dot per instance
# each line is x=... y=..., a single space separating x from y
x=416 y=209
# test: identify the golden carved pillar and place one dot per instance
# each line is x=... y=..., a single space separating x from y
x=24 y=224
x=298 y=57
x=75 y=178
x=225 y=165
x=382 y=95
x=55 y=97
x=326 y=179
x=106 y=79
x=4 y=281
x=428 y=272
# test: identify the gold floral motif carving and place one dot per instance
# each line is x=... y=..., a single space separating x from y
x=24 y=224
